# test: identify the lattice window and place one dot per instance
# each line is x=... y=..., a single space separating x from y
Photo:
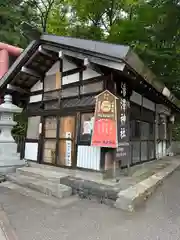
x=33 y=127
x=92 y=87
x=50 y=83
x=51 y=95
x=50 y=127
x=49 y=151
x=51 y=105
x=70 y=92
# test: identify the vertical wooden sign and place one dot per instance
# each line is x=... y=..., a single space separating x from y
x=123 y=149
x=105 y=121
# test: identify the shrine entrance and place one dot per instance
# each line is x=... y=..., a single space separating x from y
x=58 y=146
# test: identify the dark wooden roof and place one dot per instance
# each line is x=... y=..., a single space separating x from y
x=41 y=54
x=110 y=50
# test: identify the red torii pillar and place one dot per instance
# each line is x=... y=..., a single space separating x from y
x=5 y=51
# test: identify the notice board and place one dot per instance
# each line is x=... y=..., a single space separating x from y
x=105 y=121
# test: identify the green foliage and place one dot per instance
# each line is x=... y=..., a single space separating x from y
x=151 y=28
x=20 y=128
x=12 y=13
x=57 y=20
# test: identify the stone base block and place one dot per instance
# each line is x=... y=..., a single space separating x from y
x=44 y=186
x=11 y=166
x=8 y=148
x=134 y=196
x=89 y=188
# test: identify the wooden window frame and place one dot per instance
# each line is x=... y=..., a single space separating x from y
x=79 y=85
x=49 y=139
x=80 y=141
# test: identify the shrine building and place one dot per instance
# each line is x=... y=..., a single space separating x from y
x=67 y=85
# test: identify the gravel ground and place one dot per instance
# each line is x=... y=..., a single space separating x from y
x=89 y=220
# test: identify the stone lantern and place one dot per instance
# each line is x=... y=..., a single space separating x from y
x=9 y=158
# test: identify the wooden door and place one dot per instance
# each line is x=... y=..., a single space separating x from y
x=66 y=145
x=49 y=141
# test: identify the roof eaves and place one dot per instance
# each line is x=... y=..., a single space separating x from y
x=18 y=64
x=136 y=64
x=111 y=50
x=118 y=52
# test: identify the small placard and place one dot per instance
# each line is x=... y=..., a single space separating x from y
x=68 y=149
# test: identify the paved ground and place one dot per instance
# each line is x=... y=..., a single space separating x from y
x=2 y=235
x=88 y=220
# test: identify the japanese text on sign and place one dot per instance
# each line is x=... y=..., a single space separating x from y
x=105 y=121
x=122 y=151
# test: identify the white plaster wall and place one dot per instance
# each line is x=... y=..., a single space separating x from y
x=148 y=104
x=38 y=86
x=31 y=151
x=136 y=98
x=161 y=149
x=66 y=66
x=89 y=157
x=53 y=69
x=35 y=98
x=87 y=74
x=157 y=152
x=164 y=149
x=70 y=79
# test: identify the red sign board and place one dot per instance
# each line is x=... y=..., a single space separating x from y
x=105 y=121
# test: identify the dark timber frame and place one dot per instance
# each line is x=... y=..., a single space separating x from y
x=116 y=64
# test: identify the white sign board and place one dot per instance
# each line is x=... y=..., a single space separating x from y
x=68 y=149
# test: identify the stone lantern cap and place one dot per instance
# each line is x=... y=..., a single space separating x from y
x=8 y=106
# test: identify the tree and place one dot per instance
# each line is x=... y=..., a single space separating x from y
x=147 y=26
x=12 y=13
x=58 y=22
x=43 y=8
x=151 y=27
x=95 y=18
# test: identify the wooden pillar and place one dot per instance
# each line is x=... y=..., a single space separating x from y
x=58 y=87
x=156 y=129
x=123 y=152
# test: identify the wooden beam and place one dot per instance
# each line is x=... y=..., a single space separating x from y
x=108 y=62
x=44 y=52
x=92 y=66
x=73 y=71
x=76 y=61
x=17 y=89
x=30 y=72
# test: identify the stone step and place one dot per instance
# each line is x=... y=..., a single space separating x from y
x=52 y=201
x=88 y=175
x=90 y=188
x=41 y=173
x=79 y=185
x=44 y=186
